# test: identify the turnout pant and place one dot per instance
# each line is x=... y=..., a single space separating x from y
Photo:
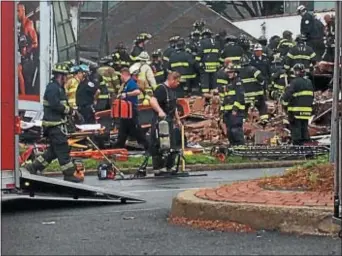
x=158 y=161
x=299 y=130
x=59 y=148
x=260 y=104
x=207 y=81
x=318 y=46
x=234 y=126
x=88 y=114
x=131 y=127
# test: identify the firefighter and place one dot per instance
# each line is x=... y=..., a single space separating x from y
x=171 y=49
x=86 y=96
x=56 y=110
x=103 y=101
x=131 y=126
x=209 y=52
x=220 y=38
x=158 y=67
x=199 y=25
x=313 y=30
x=300 y=53
x=185 y=64
x=234 y=107
x=221 y=82
x=120 y=57
x=164 y=104
x=255 y=88
x=298 y=99
x=193 y=45
x=285 y=43
x=329 y=39
x=273 y=44
x=145 y=77
x=72 y=84
x=109 y=75
x=261 y=62
x=280 y=79
x=232 y=51
x=245 y=45
x=139 y=45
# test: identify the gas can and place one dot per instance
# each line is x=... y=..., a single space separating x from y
x=102 y=171
x=164 y=135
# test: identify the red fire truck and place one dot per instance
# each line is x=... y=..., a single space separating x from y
x=16 y=181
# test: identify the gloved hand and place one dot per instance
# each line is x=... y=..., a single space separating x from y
x=146 y=102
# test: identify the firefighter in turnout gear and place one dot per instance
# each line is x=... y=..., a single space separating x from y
x=184 y=63
x=285 y=43
x=232 y=51
x=279 y=80
x=103 y=101
x=110 y=77
x=234 y=107
x=139 y=45
x=193 y=45
x=145 y=77
x=171 y=49
x=56 y=110
x=72 y=84
x=298 y=99
x=313 y=29
x=120 y=57
x=221 y=82
x=301 y=53
x=255 y=86
x=209 y=52
x=245 y=45
x=158 y=67
x=263 y=41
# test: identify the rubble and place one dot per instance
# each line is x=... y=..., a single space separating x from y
x=205 y=125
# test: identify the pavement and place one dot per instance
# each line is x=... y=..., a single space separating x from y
x=32 y=227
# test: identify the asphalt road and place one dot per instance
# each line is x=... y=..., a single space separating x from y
x=31 y=227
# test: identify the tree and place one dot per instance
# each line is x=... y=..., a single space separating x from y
x=236 y=10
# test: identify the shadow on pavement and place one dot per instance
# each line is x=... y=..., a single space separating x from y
x=44 y=204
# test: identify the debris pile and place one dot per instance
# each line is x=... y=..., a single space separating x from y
x=205 y=125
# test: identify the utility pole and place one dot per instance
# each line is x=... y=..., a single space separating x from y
x=336 y=120
x=104 y=45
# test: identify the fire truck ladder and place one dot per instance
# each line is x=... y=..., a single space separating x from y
x=66 y=40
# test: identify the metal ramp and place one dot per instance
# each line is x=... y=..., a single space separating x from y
x=51 y=188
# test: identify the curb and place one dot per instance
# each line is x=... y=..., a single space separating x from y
x=288 y=219
x=203 y=167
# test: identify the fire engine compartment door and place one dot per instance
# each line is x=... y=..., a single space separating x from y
x=41 y=186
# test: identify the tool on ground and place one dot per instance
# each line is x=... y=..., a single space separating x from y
x=183 y=148
x=113 y=167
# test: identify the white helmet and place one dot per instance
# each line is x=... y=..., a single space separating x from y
x=134 y=70
x=257 y=47
x=301 y=8
x=143 y=56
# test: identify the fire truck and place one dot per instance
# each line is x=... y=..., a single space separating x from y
x=16 y=181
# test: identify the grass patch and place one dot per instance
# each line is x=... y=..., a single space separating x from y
x=134 y=162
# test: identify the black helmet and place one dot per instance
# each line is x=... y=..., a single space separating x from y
x=199 y=24
x=157 y=53
x=230 y=38
x=262 y=40
x=173 y=39
x=61 y=68
x=206 y=32
x=180 y=43
x=299 y=69
x=244 y=60
x=300 y=38
x=287 y=34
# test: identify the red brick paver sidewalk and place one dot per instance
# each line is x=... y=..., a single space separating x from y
x=250 y=192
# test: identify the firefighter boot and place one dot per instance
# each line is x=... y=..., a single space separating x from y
x=34 y=167
x=72 y=175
